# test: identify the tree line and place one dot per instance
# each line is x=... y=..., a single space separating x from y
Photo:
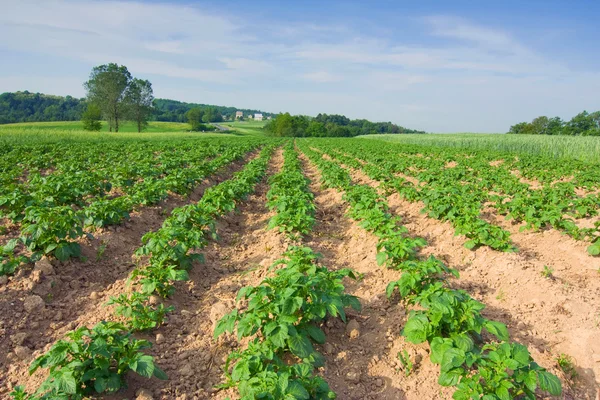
x=583 y=124
x=329 y=125
x=37 y=107
x=176 y=111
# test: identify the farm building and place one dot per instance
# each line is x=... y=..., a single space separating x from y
x=239 y=114
x=258 y=117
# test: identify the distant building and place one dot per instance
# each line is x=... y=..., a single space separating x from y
x=269 y=117
x=239 y=114
x=258 y=117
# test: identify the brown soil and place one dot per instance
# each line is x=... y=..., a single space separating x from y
x=361 y=357
x=551 y=316
x=72 y=294
x=184 y=346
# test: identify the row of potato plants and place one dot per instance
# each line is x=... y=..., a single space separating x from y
x=474 y=353
x=284 y=313
x=96 y=360
x=458 y=193
x=54 y=229
x=446 y=200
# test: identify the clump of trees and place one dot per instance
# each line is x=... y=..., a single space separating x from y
x=324 y=125
x=583 y=124
x=197 y=116
x=118 y=96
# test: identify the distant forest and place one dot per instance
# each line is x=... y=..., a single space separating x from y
x=583 y=124
x=332 y=125
x=37 y=107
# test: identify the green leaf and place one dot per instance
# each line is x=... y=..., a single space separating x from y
x=279 y=335
x=316 y=333
x=497 y=329
x=594 y=250
x=66 y=381
x=291 y=305
x=415 y=329
x=296 y=389
x=381 y=258
x=62 y=252
x=100 y=384
x=549 y=382
x=450 y=378
x=300 y=346
x=160 y=374
x=470 y=244
x=144 y=366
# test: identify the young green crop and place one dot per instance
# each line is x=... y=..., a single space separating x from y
x=91 y=361
x=448 y=319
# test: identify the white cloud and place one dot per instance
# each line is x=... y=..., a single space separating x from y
x=453 y=75
x=322 y=77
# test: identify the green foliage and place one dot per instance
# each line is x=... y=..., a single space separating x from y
x=323 y=125
x=9 y=261
x=175 y=111
x=286 y=311
x=139 y=312
x=565 y=363
x=448 y=319
x=31 y=107
x=91 y=118
x=107 y=89
x=407 y=364
x=291 y=198
x=583 y=124
x=52 y=231
x=139 y=98
x=91 y=361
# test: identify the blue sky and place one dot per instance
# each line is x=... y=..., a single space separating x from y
x=441 y=66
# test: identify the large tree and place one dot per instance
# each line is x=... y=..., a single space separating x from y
x=107 y=89
x=139 y=100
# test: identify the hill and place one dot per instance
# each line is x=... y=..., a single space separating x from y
x=38 y=107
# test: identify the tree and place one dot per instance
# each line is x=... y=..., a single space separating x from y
x=540 y=125
x=107 y=88
x=139 y=100
x=194 y=117
x=211 y=114
x=91 y=118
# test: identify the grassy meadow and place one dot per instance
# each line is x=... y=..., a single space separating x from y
x=72 y=131
x=585 y=148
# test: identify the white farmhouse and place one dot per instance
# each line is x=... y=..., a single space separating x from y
x=258 y=117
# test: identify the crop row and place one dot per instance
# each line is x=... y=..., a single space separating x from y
x=448 y=319
x=457 y=194
x=96 y=360
x=54 y=228
x=284 y=312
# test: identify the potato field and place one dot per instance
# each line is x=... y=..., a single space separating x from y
x=261 y=268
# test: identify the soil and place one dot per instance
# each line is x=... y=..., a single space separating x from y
x=40 y=304
x=554 y=315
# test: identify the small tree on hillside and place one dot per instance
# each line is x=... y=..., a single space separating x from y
x=139 y=100
x=91 y=118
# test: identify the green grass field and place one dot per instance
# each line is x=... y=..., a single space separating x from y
x=72 y=131
x=153 y=126
x=250 y=128
x=567 y=147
